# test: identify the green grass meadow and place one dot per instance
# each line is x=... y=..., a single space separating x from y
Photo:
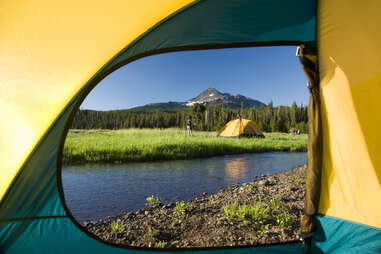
x=131 y=145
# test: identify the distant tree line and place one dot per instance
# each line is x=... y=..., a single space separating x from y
x=268 y=118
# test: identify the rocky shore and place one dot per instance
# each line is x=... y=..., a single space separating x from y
x=264 y=211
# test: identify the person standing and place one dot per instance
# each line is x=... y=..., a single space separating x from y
x=189 y=126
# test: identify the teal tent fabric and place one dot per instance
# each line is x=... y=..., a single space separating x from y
x=60 y=236
x=228 y=23
x=336 y=236
x=33 y=218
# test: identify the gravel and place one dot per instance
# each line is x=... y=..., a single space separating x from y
x=204 y=223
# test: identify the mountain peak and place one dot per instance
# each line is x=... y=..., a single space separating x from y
x=213 y=97
x=208 y=95
x=211 y=90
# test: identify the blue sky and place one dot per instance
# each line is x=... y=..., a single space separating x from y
x=261 y=73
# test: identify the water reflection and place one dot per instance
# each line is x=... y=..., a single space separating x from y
x=236 y=168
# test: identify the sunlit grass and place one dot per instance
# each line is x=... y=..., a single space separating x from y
x=117 y=146
x=285 y=221
x=256 y=212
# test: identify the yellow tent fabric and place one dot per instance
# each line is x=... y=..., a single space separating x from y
x=47 y=57
x=349 y=42
x=240 y=128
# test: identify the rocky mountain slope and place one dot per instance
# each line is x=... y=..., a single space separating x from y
x=209 y=97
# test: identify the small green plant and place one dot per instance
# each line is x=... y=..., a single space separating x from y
x=181 y=207
x=276 y=203
x=264 y=229
x=160 y=244
x=117 y=227
x=256 y=212
x=284 y=221
x=250 y=189
x=300 y=180
x=230 y=211
x=153 y=200
x=243 y=211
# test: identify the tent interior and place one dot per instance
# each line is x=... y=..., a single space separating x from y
x=52 y=54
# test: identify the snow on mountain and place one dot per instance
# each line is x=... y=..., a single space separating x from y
x=213 y=97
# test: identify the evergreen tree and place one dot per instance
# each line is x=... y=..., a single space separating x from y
x=268 y=118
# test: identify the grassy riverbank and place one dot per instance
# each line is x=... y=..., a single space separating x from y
x=117 y=146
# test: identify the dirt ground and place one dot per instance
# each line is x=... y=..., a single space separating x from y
x=264 y=211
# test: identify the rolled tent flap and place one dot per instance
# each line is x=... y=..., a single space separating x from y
x=308 y=57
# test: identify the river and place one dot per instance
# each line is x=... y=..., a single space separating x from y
x=95 y=191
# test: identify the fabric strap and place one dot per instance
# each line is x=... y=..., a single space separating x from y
x=308 y=57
